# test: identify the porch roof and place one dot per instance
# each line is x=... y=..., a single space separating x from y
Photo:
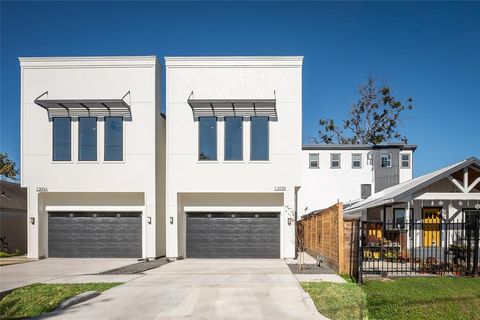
x=408 y=188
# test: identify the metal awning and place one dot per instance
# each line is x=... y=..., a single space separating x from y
x=85 y=107
x=245 y=108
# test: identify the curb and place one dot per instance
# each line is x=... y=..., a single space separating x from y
x=77 y=299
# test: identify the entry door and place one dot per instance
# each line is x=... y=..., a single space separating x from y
x=431 y=219
x=233 y=235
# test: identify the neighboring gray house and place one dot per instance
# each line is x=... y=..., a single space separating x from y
x=13 y=215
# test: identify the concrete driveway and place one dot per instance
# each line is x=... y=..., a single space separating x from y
x=204 y=289
x=48 y=270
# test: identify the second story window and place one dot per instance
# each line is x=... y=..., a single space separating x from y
x=313 y=161
x=113 y=139
x=405 y=160
x=356 y=160
x=207 y=130
x=335 y=160
x=62 y=139
x=386 y=160
x=233 y=138
x=259 y=139
x=87 y=139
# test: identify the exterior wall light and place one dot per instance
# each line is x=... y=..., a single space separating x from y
x=171 y=220
x=32 y=220
x=149 y=220
x=290 y=221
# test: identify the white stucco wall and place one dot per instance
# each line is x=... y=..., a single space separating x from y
x=324 y=186
x=91 y=78
x=232 y=78
x=406 y=173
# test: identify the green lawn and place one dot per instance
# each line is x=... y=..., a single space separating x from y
x=35 y=299
x=404 y=298
x=8 y=255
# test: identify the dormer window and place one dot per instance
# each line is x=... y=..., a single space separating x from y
x=386 y=160
x=356 y=160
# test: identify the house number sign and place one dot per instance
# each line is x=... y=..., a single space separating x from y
x=42 y=189
x=279 y=188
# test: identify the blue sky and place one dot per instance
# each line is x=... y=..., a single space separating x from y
x=429 y=51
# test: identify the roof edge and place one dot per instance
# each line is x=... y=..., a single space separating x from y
x=400 y=146
x=86 y=60
x=186 y=61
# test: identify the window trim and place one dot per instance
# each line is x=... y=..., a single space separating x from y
x=310 y=160
x=401 y=161
x=339 y=160
x=96 y=141
x=105 y=145
x=389 y=154
x=361 y=160
x=216 y=142
x=268 y=140
x=225 y=140
x=71 y=142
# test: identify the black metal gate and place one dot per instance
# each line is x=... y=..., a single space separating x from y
x=428 y=247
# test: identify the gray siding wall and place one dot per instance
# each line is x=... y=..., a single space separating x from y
x=386 y=177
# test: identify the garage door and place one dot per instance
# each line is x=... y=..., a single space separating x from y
x=95 y=235
x=233 y=235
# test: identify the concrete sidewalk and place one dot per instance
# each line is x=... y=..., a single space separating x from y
x=50 y=270
x=204 y=289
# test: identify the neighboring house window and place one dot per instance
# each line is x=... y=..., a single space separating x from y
x=233 y=138
x=313 y=160
x=87 y=139
x=113 y=139
x=386 y=160
x=399 y=216
x=356 y=160
x=259 y=138
x=62 y=139
x=207 y=139
x=335 y=160
x=405 y=160
x=366 y=191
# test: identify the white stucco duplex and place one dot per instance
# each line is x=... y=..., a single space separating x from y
x=233 y=155
x=92 y=156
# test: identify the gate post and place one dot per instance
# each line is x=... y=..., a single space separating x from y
x=360 y=252
x=476 y=245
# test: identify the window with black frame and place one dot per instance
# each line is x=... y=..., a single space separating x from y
x=87 y=139
x=399 y=218
x=62 y=139
x=259 y=139
x=113 y=139
x=233 y=138
x=207 y=138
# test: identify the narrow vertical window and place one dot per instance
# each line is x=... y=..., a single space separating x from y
x=207 y=127
x=335 y=160
x=356 y=160
x=114 y=139
x=87 y=139
x=405 y=160
x=233 y=138
x=259 y=139
x=62 y=139
x=313 y=161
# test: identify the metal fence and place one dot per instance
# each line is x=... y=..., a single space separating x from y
x=426 y=247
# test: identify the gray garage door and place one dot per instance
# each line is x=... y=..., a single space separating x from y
x=95 y=235
x=233 y=235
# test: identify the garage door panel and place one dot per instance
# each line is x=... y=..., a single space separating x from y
x=103 y=235
x=245 y=235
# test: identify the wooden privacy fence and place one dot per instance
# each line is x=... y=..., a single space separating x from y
x=328 y=235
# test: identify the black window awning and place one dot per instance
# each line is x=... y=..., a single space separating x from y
x=85 y=107
x=222 y=108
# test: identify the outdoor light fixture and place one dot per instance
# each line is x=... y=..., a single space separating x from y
x=149 y=220
x=290 y=221
x=171 y=220
x=32 y=220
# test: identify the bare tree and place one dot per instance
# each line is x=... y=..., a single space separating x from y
x=374 y=119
